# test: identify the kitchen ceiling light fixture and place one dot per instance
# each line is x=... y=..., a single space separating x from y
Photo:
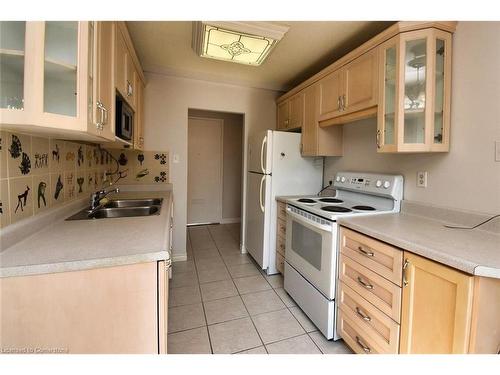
x=240 y=42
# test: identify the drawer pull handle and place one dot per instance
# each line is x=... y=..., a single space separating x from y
x=364 y=252
x=363 y=316
x=365 y=284
x=405 y=266
x=363 y=346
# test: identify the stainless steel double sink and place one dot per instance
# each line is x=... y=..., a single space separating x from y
x=121 y=208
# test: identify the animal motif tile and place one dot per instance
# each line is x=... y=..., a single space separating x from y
x=69 y=185
x=41 y=193
x=3 y=155
x=19 y=155
x=56 y=188
x=70 y=155
x=80 y=157
x=4 y=203
x=21 y=198
x=81 y=184
x=56 y=155
x=40 y=155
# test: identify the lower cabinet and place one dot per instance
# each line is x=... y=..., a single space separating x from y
x=280 y=237
x=437 y=305
x=120 y=309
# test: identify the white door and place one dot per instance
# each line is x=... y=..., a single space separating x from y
x=204 y=171
x=257 y=217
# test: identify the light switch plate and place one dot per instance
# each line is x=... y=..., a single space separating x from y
x=497 y=150
x=422 y=179
x=176 y=158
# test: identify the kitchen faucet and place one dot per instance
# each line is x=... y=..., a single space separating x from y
x=96 y=197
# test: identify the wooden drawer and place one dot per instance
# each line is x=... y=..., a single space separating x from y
x=381 y=329
x=280 y=245
x=382 y=293
x=354 y=336
x=282 y=210
x=280 y=263
x=281 y=228
x=377 y=256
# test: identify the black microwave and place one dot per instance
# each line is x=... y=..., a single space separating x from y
x=124 y=120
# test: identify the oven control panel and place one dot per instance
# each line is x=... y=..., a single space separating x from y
x=377 y=184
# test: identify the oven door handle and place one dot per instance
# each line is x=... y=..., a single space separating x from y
x=302 y=219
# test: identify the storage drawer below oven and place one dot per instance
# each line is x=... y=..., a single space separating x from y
x=315 y=305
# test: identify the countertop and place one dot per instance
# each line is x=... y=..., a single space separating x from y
x=84 y=244
x=476 y=251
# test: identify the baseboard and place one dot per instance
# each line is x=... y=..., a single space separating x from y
x=179 y=258
x=233 y=220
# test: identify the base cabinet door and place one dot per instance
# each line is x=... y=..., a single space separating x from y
x=436 y=308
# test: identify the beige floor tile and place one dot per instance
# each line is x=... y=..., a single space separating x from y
x=207 y=263
x=243 y=270
x=277 y=325
x=185 y=317
x=213 y=274
x=217 y=290
x=304 y=321
x=233 y=336
x=251 y=284
x=262 y=302
x=329 y=346
x=233 y=250
x=285 y=297
x=206 y=254
x=183 y=279
x=182 y=267
x=235 y=259
x=257 y=350
x=276 y=281
x=186 y=295
x=295 y=345
x=222 y=310
x=193 y=341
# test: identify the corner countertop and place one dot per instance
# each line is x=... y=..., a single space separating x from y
x=476 y=252
x=85 y=244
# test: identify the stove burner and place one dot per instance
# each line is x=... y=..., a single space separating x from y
x=336 y=209
x=306 y=200
x=364 y=208
x=331 y=200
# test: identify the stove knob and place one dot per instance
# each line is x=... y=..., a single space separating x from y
x=342 y=179
x=337 y=179
x=387 y=184
x=378 y=183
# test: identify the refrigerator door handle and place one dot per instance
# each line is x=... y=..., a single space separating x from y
x=262 y=155
x=262 y=207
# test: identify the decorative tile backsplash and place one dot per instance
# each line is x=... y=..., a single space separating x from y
x=38 y=173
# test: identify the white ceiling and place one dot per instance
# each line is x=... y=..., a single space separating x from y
x=307 y=47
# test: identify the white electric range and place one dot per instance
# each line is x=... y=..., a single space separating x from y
x=312 y=240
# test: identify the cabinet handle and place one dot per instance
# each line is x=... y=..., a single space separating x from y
x=105 y=114
x=405 y=266
x=100 y=124
x=129 y=89
x=343 y=102
x=364 y=252
x=364 y=284
x=363 y=346
x=378 y=138
x=364 y=316
x=338 y=103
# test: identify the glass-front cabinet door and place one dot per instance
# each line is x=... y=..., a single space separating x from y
x=414 y=109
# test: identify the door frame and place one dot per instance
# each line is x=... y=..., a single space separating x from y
x=221 y=176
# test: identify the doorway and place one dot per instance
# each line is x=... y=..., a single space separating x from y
x=215 y=165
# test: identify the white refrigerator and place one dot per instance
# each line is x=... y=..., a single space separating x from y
x=275 y=167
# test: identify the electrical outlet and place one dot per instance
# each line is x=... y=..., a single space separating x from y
x=497 y=151
x=422 y=179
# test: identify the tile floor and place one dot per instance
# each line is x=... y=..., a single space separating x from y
x=221 y=302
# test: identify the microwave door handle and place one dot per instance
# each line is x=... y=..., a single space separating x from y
x=310 y=223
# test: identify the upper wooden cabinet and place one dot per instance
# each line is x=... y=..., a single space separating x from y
x=126 y=72
x=350 y=89
x=415 y=87
x=139 y=118
x=48 y=74
x=436 y=308
x=318 y=141
x=291 y=113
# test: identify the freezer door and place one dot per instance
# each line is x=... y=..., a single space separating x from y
x=259 y=152
x=257 y=218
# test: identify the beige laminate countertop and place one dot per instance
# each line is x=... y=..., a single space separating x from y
x=84 y=244
x=476 y=252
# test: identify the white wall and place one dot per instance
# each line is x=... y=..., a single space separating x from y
x=467 y=177
x=167 y=100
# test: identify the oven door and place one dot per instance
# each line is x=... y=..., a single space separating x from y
x=311 y=249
